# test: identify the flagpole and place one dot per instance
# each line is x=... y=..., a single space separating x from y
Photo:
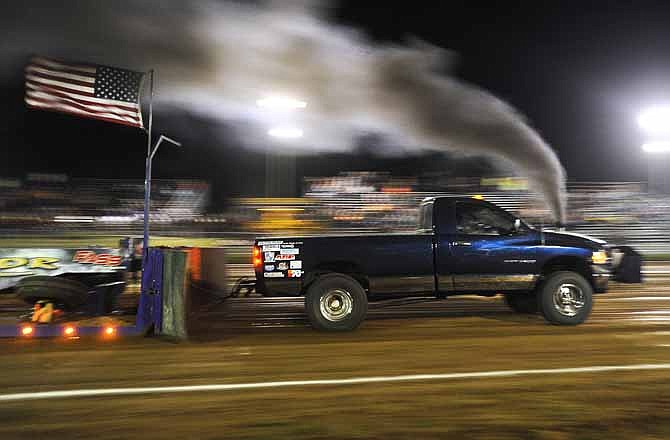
x=147 y=171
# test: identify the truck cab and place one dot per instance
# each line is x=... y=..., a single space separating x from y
x=461 y=246
x=480 y=247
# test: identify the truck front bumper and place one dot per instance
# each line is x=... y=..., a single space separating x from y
x=600 y=276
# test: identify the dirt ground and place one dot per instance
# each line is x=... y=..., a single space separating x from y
x=628 y=326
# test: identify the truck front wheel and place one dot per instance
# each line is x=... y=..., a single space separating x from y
x=336 y=302
x=565 y=298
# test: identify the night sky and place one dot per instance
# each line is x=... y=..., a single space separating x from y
x=579 y=71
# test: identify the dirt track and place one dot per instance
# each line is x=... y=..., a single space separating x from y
x=267 y=341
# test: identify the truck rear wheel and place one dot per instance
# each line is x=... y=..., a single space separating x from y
x=336 y=302
x=565 y=298
x=522 y=302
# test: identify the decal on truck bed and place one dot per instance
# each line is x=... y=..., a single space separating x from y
x=283 y=253
x=267 y=243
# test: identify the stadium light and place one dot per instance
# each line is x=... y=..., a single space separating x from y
x=285 y=132
x=655 y=120
x=279 y=102
x=657 y=147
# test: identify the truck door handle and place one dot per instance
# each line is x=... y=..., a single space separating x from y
x=461 y=243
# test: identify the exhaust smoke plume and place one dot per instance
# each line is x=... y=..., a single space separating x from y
x=218 y=59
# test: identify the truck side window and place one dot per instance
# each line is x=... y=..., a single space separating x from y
x=426 y=217
x=474 y=219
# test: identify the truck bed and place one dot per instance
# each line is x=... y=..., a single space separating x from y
x=387 y=263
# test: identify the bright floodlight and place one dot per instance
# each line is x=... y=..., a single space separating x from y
x=278 y=102
x=285 y=132
x=657 y=147
x=655 y=120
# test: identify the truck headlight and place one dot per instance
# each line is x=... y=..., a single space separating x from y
x=599 y=257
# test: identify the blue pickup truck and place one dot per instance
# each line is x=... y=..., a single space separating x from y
x=462 y=246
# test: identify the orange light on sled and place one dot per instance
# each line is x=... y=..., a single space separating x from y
x=27 y=330
x=69 y=331
x=109 y=331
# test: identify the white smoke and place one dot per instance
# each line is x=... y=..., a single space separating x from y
x=217 y=59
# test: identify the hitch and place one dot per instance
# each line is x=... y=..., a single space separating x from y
x=246 y=284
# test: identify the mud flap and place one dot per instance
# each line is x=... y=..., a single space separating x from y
x=627 y=263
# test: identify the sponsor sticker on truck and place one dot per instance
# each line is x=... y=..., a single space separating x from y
x=294 y=273
x=280 y=259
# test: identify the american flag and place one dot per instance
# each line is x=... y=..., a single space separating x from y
x=91 y=91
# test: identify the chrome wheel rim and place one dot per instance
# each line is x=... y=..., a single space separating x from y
x=336 y=305
x=568 y=299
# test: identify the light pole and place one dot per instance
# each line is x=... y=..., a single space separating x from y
x=147 y=190
x=659 y=158
x=280 y=167
x=655 y=122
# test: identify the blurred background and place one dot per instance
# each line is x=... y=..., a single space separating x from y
x=629 y=213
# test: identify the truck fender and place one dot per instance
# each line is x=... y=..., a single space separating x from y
x=566 y=262
x=312 y=276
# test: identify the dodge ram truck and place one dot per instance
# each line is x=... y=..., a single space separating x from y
x=462 y=246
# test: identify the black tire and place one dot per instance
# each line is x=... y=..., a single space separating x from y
x=522 y=302
x=565 y=298
x=95 y=279
x=69 y=293
x=336 y=302
x=111 y=294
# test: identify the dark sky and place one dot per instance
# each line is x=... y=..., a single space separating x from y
x=579 y=71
